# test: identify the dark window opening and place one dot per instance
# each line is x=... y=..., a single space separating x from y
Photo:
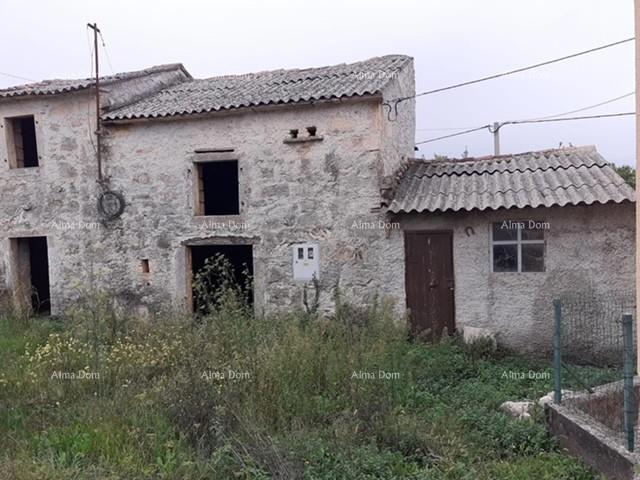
x=240 y=259
x=144 y=265
x=22 y=142
x=312 y=131
x=218 y=188
x=293 y=133
x=31 y=273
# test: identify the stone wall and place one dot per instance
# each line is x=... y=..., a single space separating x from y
x=321 y=191
x=326 y=192
x=56 y=197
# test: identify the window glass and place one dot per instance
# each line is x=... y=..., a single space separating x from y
x=518 y=246
x=505 y=258
x=533 y=257
x=505 y=231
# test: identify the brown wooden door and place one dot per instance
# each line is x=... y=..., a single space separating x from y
x=429 y=282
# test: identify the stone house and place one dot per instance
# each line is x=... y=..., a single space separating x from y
x=279 y=170
x=294 y=174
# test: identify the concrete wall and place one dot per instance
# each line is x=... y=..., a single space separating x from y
x=589 y=252
x=597 y=446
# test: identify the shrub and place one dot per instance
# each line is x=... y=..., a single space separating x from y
x=216 y=285
x=481 y=347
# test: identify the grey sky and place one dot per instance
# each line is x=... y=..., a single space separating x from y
x=451 y=41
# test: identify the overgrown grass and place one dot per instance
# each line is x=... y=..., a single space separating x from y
x=305 y=402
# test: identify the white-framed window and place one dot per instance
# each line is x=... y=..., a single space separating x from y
x=518 y=246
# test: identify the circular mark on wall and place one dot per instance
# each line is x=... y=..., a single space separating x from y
x=110 y=204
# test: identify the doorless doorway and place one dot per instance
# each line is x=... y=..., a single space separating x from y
x=240 y=258
x=30 y=267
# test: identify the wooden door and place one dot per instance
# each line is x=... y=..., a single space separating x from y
x=429 y=282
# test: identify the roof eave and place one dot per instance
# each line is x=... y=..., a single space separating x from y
x=401 y=211
x=373 y=97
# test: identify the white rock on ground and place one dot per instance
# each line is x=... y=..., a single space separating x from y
x=519 y=410
x=472 y=334
x=548 y=398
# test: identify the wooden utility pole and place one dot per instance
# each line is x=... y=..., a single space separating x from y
x=637 y=42
x=96 y=31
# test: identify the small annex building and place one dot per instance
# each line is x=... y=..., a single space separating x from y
x=490 y=242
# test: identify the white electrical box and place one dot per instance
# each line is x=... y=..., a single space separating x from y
x=306 y=261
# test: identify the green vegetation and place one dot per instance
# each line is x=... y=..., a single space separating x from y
x=292 y=409
x=627 y=173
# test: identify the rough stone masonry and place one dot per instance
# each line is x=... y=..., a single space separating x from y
x=313 y=149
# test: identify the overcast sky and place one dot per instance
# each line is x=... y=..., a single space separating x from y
x=451 y=41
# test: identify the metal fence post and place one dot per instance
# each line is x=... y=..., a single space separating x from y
x=629 y=394
x=557 y=351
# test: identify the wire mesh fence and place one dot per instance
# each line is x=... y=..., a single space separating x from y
x=592 y=329
x=594 y=361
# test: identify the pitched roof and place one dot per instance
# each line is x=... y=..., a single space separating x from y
x=264 y=88
x=57 y=86
x=566 y=176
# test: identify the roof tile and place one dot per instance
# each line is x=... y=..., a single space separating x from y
x=57 y=86
x=265 y=88
x=566 y=176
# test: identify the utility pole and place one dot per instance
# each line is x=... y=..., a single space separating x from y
x=496 y=138
x=637 y=64
x=96 y=31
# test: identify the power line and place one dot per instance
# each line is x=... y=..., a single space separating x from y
x=606 y=102
x=596 y=105
x=441 y=129
x=518 y=122
x=522 y=69
x=89 y=115
x=498 y=75
x=18 y=77
x=106 y=52
x=586 y=117
x=452 y=135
